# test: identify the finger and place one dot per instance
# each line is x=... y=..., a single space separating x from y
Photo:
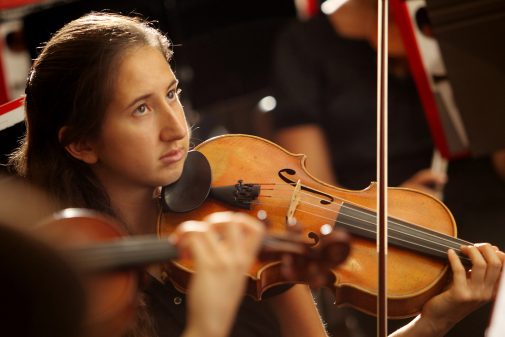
x=205 y=243
x=218 y=218
x=248 y=238
x=225 y=226
x=236 y=225
x=253 y=231
x=248 y=223
x=196 y=249
x=241 y=232
x=479 y=265
x=501 y=256
x=228 y=216
x=186 y=227
x=235 y=236
x=220 y=229
x=458 y=271
x=216 y=243
x=494 y=264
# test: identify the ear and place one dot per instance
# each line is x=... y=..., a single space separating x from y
x=82 y=150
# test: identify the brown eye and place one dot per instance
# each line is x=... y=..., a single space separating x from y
x=174 y=93
x=171 y=94
x=140 y=110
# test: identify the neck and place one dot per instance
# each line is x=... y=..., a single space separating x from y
x=136 y=207
x=139 y=210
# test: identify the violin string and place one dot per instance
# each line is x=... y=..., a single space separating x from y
x=391 y=236
x=391 y=220
x=129 y=252
x=114 y=256
x=450 y=240
x=394 y=221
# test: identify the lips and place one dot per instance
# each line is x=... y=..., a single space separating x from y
x=172 y=156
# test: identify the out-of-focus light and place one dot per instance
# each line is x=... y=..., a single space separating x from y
x=267 y=103
x=329 y=6
x=326 y=229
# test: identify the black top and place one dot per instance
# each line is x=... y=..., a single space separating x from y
x=324 y=79
x=168 y=308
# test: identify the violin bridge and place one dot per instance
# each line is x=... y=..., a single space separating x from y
x=293 y=204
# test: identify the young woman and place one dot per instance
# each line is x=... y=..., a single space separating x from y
x=105 y=128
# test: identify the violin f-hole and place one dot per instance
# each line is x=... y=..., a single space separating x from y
x=283 y=174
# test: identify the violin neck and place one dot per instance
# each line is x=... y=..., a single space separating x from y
x=137 y=251
x=362 y=222
x=128 y=252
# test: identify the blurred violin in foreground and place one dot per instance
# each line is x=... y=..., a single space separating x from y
x=108 y=261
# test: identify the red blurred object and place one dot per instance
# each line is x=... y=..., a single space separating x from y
x=4 y=97
x=10 y=4
x=411 y=35
x=11 y=113
x=456 y=57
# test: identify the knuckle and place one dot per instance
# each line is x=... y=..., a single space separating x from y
x=480 y=264
x=495 y=264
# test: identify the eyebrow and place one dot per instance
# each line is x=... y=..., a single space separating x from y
x=140 y=98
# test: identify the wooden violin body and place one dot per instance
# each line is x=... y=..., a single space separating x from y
x=288 y=190
x=111 y=297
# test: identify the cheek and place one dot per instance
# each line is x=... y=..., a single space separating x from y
x=126 y=143
x=137 y=147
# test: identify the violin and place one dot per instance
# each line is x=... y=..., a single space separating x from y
x=108 y=261
x=249 y=174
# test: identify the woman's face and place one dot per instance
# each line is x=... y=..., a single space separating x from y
x=144 y=136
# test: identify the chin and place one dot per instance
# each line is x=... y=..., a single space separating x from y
x=172 y=177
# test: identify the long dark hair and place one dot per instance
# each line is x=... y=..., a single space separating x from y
x=69 y=86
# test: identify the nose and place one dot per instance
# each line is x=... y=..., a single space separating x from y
x=173 y=123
